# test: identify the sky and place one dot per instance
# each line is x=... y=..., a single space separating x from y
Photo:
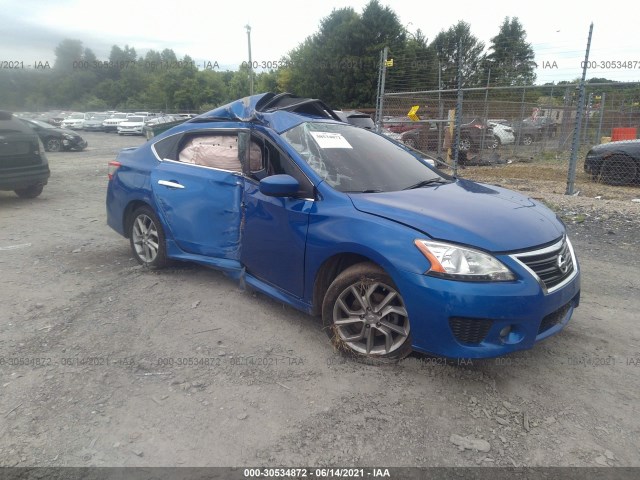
x=214 y=31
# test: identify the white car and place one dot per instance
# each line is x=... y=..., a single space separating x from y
x=111 y=123
x=502 y=134
x=132 y=125
x=74 y=121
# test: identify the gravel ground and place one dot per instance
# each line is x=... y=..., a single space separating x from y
x=107 y=364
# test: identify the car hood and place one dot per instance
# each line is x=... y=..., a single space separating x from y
x=622 y=145
x=484 y=216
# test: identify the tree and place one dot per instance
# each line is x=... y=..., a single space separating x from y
x=68 y=54
x=459 y=40
x=416 y=68
x=340 y=62
x=511 y=57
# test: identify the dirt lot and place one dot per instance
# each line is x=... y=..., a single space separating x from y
x=107 y=364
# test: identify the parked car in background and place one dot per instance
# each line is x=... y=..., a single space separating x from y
x=52 y=118
x=423 y=136
x=532 y=130
x=159 y=124
x=74 y=121
x=56 y=139
x=474 y=134
x=359 y=119
x=615 y=163
x=343 y=223
x=398 y=124
x=132 y=125
x=392 y=135
x=95 y=122
x=502 y=133
x=111 y=124
x=23 y=164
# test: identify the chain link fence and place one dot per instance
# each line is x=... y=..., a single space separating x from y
x=529 y=127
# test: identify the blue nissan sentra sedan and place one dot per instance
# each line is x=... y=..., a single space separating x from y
x=346 y=224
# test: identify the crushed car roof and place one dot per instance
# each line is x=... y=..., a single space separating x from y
x=278 y=111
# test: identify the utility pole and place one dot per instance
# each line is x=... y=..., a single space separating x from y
x=248 y=27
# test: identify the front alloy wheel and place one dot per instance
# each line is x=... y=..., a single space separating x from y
x=365 y=316
x=52 y=144
x=147 y=238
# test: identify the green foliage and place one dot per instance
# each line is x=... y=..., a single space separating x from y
x=458 y=46
x=339 y=64
x=512 y=58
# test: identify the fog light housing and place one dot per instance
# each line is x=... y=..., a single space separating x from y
x=505 y=331
x=510 y=335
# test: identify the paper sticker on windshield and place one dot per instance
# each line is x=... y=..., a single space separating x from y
x=330 y=140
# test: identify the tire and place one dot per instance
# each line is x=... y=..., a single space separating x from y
x=364 y=315
x=29 y=192
x=465 y=144
x=52 y=144
x=527 y=139
x=147 y=238
x=618 y=170
x=495 y=144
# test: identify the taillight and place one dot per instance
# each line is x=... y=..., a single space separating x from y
x=113 y=166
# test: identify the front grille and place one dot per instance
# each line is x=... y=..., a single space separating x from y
x=553 y=318
x=552 y=265
x=469 y=330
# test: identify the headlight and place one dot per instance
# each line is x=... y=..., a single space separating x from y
x=460 y=263
x=67 y=136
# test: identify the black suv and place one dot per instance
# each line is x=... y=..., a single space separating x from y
x=23 y=164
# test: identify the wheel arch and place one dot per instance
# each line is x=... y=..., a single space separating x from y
x=619 y=156
x=330 y=269
x=131 y=207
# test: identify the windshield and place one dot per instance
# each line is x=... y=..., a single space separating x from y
x=76 y=116
x=135 y=119
x=99 y=117
x=352 y=159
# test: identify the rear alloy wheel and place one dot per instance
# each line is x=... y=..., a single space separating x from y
x=29 y=192
x=365 y=316
x=618 y=170
x=527 y=140
x=52 y=144
x=465 y=144
x=495 y=143
x=147 y=238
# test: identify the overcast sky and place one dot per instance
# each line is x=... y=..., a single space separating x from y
x=214 y=31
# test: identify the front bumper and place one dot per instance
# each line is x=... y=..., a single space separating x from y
x=130 y=130
x=75 y=143
x=478 y=320
x=22 y=177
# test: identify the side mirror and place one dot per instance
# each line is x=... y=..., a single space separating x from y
x=279 y=186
